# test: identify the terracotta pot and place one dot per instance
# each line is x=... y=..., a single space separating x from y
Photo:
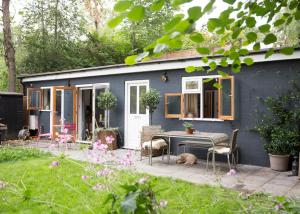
x=279 y=162
x=189 y=131
x=104 y=133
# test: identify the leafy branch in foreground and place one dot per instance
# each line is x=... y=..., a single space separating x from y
x=242 y=26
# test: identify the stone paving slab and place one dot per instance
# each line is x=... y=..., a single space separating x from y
x=248 y=179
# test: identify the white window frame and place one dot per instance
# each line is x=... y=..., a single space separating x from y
x=198 y=91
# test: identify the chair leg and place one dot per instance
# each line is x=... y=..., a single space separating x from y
x=228 y=160
x=163 y=154
x=237 y=157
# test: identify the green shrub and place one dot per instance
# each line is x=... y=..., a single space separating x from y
x=9 y=153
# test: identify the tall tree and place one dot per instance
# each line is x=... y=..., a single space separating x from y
x=9 y=51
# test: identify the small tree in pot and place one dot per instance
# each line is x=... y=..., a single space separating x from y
x=279 y=126
x=150 y=100
x=107 y=101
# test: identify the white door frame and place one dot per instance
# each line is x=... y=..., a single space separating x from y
x=146 y=82
x=79 y=110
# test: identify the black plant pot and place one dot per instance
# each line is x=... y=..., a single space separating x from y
x=295 y=166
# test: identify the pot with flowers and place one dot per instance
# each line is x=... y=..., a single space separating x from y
x=107 y=101
x=188 y=127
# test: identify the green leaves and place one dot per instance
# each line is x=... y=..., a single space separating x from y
x=203 y=51
x=278 y=22
x=196 y=37
x=229 y=1
x=190 y=69
x=269 y=39
x=252 y=36
x=122 y=5
x=159 y=48
x=264 y=28
x=157 y=5
x=137 y=13
x=176 y=3
x=131 y=60
x=248 y=61
x=171 y=24
x=115 y=21
x=287 y=51
x=250 y=22
x=194 y=13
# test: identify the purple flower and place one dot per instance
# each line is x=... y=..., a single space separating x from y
x=231 y=172
x=52 y=146
x=2 y=184
x=104 y=172
x=98 y=187
x=127 y=160
x=163 y=203
x=54 y=164
x=143 y=180
x=109 y=139
x=278 y=206
x=84 y=177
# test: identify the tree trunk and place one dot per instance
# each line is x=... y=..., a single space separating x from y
x=9 y=51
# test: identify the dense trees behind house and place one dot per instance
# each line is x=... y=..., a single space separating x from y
x=52 y=35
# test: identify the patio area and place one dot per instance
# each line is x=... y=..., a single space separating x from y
x=248 y=179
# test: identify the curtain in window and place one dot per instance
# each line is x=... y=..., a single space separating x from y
x=192 y=104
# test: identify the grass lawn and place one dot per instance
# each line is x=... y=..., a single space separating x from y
x=34 y=187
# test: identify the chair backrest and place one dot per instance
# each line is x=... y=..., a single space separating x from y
x=148 y=132
x=233 y=140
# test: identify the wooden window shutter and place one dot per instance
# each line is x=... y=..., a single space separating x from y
x=174 y=105
x=226 y=98
x=34 y=99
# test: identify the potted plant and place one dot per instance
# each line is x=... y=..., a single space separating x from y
x=150 y=100
x=107 y=101
x=279 y=126
x=188 y=127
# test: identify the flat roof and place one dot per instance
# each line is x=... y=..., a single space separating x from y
x=154 y=65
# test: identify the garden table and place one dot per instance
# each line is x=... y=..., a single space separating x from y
x=201 y=137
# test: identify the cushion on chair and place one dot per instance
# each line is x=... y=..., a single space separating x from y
x=156 y=144
x=220 y=149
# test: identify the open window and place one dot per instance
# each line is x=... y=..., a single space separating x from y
x=226 y=98
x=201 y=100
x=174 y=105
x=33 y=99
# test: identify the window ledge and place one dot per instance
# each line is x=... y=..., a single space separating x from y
x=45 y=110
x=202 y=119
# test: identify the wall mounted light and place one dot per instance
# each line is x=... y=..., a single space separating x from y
x=164 y=77
x=69 y=83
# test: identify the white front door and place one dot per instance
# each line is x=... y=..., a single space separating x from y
x=136 y=116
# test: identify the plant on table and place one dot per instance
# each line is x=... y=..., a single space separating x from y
x=106 y=101
x=150 y=100
x=188 y=127
x=280 y=125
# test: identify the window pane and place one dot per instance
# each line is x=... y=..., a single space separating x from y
x=192 y=84
x=99 y=113
x=46 y=99
x=192 y=105
x=133 y=96
x=58 y=108
x=210 y=99
x=68 y=106
x=35 y=99
x=142 y=109
x=226 y=97
x=174 y=104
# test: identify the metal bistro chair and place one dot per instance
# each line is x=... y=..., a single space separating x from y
x=146 y=135
x=227 y=150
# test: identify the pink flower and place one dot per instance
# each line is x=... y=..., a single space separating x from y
x=84 y=177
x=163 y=203
x=278 y=206
x=104 y=172
x=98 y=187
x=52 y=146
x=231 y=172
x=2 y=184
x=143 y=180
x=54 y=164
x=109 y=139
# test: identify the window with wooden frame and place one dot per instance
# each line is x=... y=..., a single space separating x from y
x=46 y=98
x=174 y=105
x=33 y=99
x=201 y=100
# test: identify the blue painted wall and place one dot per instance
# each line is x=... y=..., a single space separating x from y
x=260 y=80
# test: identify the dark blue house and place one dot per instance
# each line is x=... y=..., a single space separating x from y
x=70 y=97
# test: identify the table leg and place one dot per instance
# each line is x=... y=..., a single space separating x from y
x=169 y=148
x=150 y=153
